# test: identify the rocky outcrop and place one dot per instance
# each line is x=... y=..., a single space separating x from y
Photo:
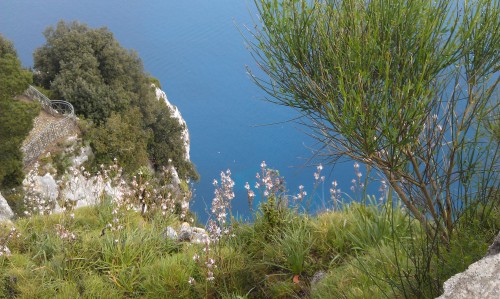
x=175 y=113
x=5 y=211
x=480 y=280
x=77 y=185
x=494 y=248
x=187 y=233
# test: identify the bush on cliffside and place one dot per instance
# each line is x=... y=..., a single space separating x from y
x=120 y=138
x=16 y=118
x=90 y=69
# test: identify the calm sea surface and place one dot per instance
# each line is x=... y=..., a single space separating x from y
x=195 y=49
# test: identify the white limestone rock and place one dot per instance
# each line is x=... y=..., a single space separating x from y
x=176 y=181
x=480 y=280
x=5 y=211
x=161 y=95
x=83 y=156
x=199 y=235
x=187 y=233
x=46 y=186
x=170 y=233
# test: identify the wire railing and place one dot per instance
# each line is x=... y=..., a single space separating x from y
x=55 y=130
x=54 y=108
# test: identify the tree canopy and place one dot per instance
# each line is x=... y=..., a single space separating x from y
x=90 y=69
x=16 y=117
x=107 y=84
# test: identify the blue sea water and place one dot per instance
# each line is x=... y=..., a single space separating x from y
x=196 y=50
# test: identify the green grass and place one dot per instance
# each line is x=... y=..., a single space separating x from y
x=365 y=251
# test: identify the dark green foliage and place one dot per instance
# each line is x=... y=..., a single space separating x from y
x=166 y=142
x=14 y=79
x=6 y=47
x=121 y=138
x=90 y=69
x=16 y=118
x=155 y=81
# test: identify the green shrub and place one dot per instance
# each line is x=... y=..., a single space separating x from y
x=120 y=138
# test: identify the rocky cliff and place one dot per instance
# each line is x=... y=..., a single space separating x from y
x=82 y=189
x=161 y=95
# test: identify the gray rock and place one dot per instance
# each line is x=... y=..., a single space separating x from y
x=5 y=211
x=480 y=280
x=85 y=153
x=495 y=247
x=170 y=233
x=317 y=277
x=47 y=186
x=199 y=235
x=185 y=232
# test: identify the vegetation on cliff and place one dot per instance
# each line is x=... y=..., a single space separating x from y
x=412 y=101
x=108 y=86
x=16 y=117
x=355 y=251
x=416 y=102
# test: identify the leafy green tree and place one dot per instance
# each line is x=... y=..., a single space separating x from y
x=121 y=138
x=14 y=79
x=6 y=47
x=90 y=69
x=165 y=145
x=401 y=86
x=80 y=83
x=16 y=121
x=16 y=117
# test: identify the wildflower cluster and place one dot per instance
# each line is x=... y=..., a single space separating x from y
x=301 y=195
x=269 y=182
x=383 y=190
x=221 y=205
x=318 y=179
x=4 y=240
x=66 y=220
x=143 y=192
x=159 y=195
x=120 y=194
x=208 y=264
x=217 y=225
x=357 y=184
x=335 y=194
x=317 y=175
x=36 y=202
x=78 y=184
x=250 y=196
x=64 y=234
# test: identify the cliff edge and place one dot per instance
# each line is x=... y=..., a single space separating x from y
x=175 y=113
